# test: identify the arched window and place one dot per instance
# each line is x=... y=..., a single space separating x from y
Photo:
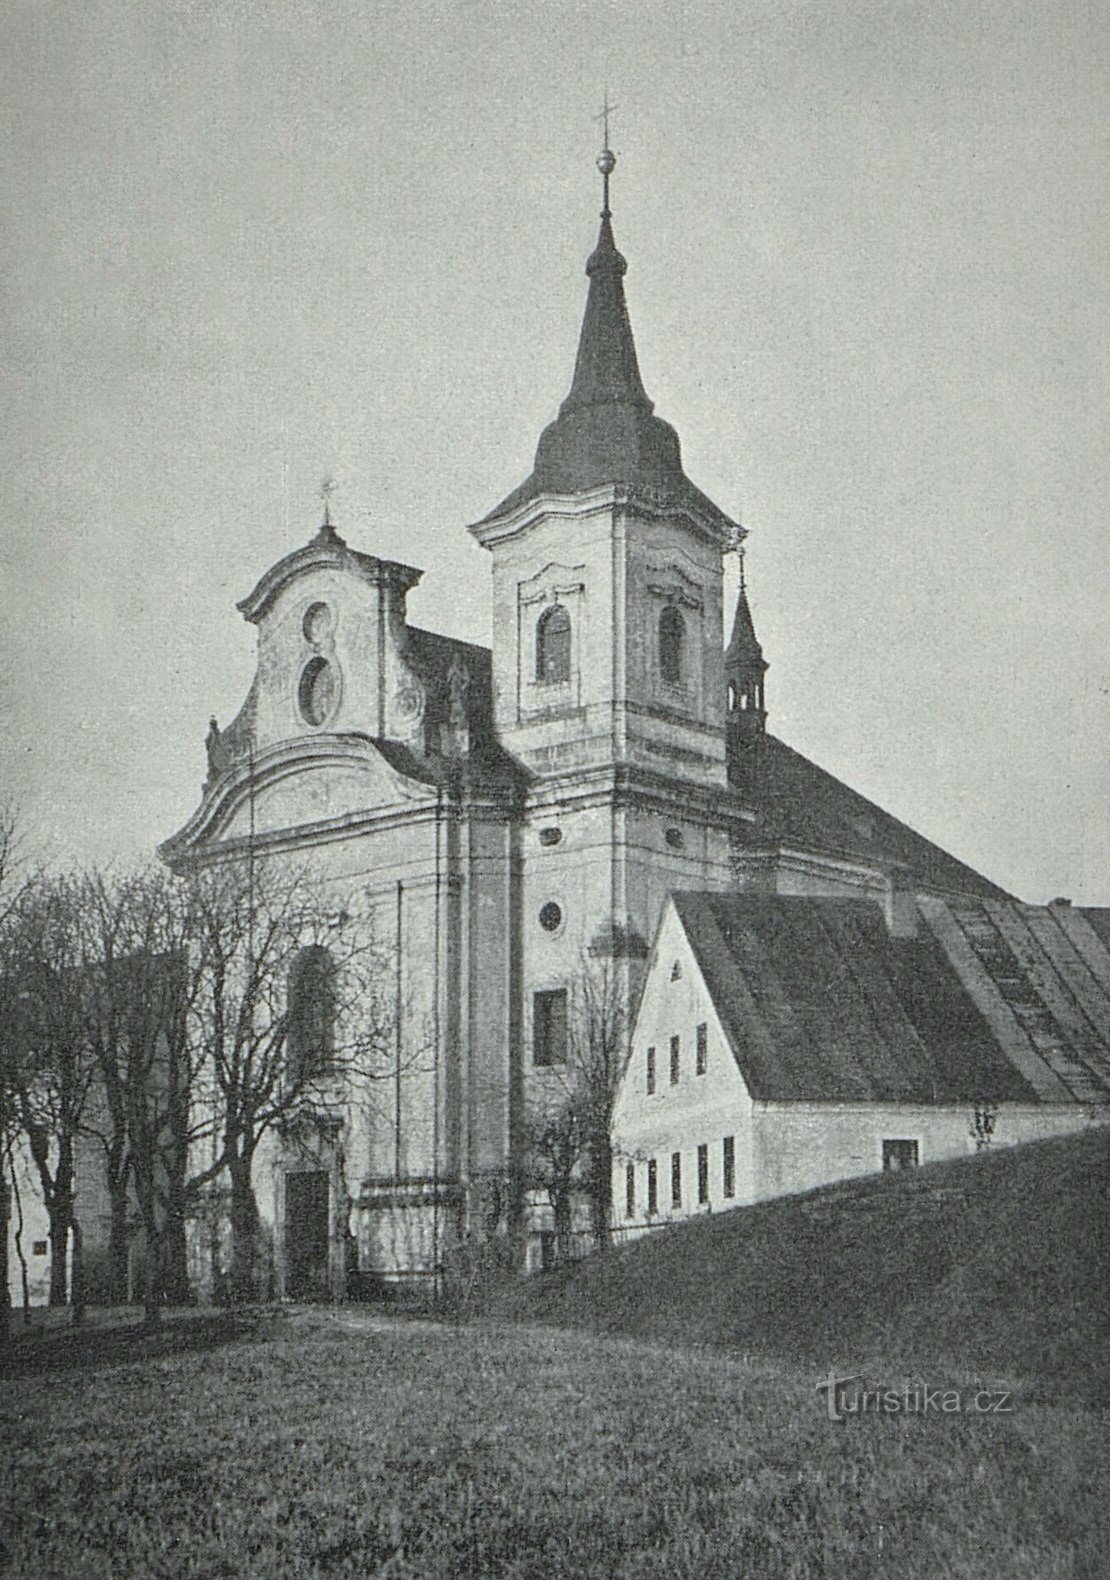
x=731 y=697
x=553 y=645
x=310 y=1036
x=672 y=634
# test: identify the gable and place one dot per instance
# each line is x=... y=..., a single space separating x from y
x=674 y=999
x=297 y=787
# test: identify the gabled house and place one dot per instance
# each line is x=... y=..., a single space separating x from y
x=786 y=1042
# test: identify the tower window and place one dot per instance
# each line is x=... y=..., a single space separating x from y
x=672 y=636
x=731 y=697
x=310 y=1035
x=549 y=1028
x=553 y=645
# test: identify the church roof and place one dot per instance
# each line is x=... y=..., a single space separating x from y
x=820 y=1002
x=803 y=805
x=607 y=431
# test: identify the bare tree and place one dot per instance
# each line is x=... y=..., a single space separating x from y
x=142 y=984
x=294 y=1010
x=568 y=1131
x=55 y=1065
x=12 y=879
x=553 y=1149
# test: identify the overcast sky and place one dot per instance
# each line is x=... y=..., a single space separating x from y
x=248 y=245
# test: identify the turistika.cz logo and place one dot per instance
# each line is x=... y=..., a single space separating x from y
x=848 y=1396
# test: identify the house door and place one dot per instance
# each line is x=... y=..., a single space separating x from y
x=306 y=1235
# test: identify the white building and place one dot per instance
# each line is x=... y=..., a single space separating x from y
x=783 y=1043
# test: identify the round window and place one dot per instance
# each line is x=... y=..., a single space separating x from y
x=550 y=917
x=316 y=693
x=317 y=623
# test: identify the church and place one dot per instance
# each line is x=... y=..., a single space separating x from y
x=509 y=816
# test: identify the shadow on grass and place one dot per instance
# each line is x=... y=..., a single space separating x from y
x=98 y=1344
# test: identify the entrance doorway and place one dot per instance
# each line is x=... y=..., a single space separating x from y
x=306 y=1235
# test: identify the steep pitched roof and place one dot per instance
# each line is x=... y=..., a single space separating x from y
x=821 y=1003
x=607 y=431
x=799 y=803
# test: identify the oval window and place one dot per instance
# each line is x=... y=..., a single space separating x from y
x=317 y=690
x=550 y=917
x=317 y=623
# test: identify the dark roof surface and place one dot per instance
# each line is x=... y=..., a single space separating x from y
x=801 y=804
x=607 y=430
x=820 y=1002
x=1099 y=918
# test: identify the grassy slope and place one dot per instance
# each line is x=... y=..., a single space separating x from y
x=990 y=1263
x=345 y=1443
x=340 y=1444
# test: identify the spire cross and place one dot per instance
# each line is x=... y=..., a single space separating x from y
x=603 y=115
x=327 y=489
x=606 y=159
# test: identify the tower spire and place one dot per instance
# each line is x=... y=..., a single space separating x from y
x=606 y=431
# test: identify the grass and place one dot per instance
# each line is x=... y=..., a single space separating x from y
x=340 y=1444
x=677 y=1442
x=990 y=1264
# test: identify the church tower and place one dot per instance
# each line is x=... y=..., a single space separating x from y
x=608 y=678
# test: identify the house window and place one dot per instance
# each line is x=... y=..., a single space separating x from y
x=38 y=1248
x=672 y=636
x=702 y=1049
x=553 y=645
x=548 y=1250
x=549 y=1028
x=674 y=1060
x=703 y=1175
x=676 y=1179
x=653 y=1189
x=728 y=1165
x=898 y=1155
x=650 y=1071
x=630 y=1191
x=310 y=1033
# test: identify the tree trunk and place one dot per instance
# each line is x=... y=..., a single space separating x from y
x=5 y=1297
x=175 y=1263
x=118 y=1239
x=77 y=1276
x=563 y=1213
x=600 y=1192
x=17 y=1239
x=146 y=1194
x=61 y=1219
x=244 y=1230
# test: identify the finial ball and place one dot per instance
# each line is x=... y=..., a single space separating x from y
x=606 y=162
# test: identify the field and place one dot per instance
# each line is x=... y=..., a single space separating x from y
x=342 y=1442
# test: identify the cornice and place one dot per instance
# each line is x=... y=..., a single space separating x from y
x=503 y=526
x=326 y=551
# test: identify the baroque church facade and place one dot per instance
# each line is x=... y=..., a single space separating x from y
x=510 y=814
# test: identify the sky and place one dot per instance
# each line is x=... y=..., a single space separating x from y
x=249 y=246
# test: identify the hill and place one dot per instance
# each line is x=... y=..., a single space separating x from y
x=991 y=1263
